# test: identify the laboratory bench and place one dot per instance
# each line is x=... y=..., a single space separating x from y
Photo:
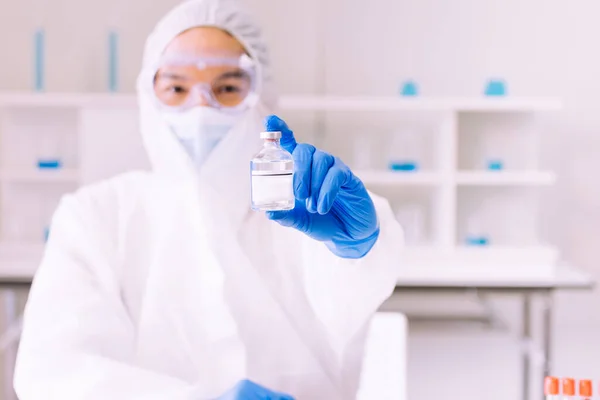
x=526 y=287
x=415 y=280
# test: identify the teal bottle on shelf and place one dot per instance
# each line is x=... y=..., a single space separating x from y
x=48 y=163
x=495 y=165
x=495 y=87
x=403 y=166
x=477 y=241
x=113 y=61
x=39 y=54
x=409 y=89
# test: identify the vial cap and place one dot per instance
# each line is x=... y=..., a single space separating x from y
x=551 y=386
x=568 y=386
x=585 y=387
x=270 y=135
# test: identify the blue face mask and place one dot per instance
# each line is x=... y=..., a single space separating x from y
x=200 y=129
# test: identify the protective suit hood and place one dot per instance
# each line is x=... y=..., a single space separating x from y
x=226 y=169
x=166 y=154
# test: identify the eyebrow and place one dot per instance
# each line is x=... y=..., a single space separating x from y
x=239 y=74
x=234 y=74
x=171 y=75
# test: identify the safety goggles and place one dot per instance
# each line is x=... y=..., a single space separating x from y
x=226 y=83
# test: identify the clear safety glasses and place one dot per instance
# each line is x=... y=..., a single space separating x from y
x=227 y=83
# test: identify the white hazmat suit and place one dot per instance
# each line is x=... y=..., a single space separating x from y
x=164 y=285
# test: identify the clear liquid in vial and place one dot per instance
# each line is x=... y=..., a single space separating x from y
x=272 y=174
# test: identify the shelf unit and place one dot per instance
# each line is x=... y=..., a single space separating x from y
x=39 y=176
x=455 y=104
x=97 y=121
x=378 y=178
x=510 y=178
x=470 y=178
x=67 y=100
x=436 y=194
x=306 y=102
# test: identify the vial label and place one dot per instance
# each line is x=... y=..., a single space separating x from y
x=274 y=188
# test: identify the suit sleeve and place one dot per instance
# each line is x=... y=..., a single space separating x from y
x=78 y=340
x=346 y=293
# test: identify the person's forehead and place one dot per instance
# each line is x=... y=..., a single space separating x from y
x=205 y=42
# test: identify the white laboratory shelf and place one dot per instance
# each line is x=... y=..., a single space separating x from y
x=20 y=260
x=440 y=194
x=505 y=178
x=474 y=275
x=304 y=102
x=457 y=104
x=377 y=177
x=40 y=176
x=10 y=249
x=68 y=100
x=460 y=256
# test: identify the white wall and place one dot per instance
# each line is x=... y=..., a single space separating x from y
x=541 y=47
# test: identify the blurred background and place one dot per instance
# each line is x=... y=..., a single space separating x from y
x=476 y=118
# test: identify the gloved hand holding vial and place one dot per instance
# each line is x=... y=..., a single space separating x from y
x=331 y=204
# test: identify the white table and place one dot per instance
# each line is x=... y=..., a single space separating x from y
x=11 y=284
x=526 y=283
x=522 y=281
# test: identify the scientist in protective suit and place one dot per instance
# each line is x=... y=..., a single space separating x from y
x=165 y=285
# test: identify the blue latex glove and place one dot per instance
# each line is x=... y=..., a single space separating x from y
x=247 y=390
x=332 y=204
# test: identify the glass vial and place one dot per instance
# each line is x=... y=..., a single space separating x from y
x=48 y=151
x=113 y=61
x=272 y=172
x=39 y=55
x=405 y=151
x=412 y=218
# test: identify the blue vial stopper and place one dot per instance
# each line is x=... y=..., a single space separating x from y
x=404 y=166
x=49 y=164
x=46 y=233
x=495 y=87
x=409 y=88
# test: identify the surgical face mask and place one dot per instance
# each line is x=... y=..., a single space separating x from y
x=200 y=129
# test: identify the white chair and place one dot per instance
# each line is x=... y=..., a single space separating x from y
x=384 y=368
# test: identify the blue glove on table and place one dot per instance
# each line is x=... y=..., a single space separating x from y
x=247 y=390
x=332 y=204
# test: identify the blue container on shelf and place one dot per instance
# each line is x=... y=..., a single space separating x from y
x=477 y=241
x=495 y=165
x=495 y=87
x=404 y=166
x=113 y=61
x=49 y=164
x=39 y=50
x=409 y=89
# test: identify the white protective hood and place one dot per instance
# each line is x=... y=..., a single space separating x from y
x=226 y=170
